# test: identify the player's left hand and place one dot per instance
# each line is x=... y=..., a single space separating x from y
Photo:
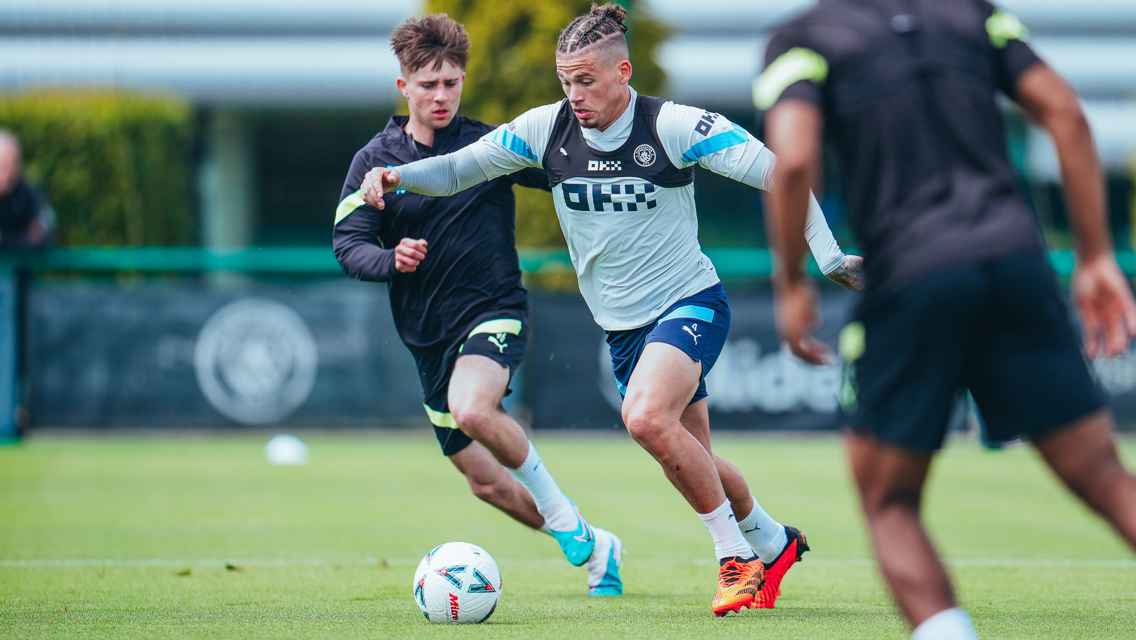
x=797 y=317
x=378 y=181
x=408 y=254
x=1104 y=300
x=850 y=274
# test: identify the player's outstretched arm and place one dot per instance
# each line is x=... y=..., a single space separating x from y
x=793 y=128
x=692 y=135
x=442 y=176
x=1100 y=291
x=448 y=174
x=844 y=270
x=376 y=183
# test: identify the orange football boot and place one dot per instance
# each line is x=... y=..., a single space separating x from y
x=739 y=582
x=776 y=570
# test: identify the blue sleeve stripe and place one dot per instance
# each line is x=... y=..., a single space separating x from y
x=717 y=143
x=510 y=141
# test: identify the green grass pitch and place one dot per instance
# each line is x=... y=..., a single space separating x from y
x=121 y=537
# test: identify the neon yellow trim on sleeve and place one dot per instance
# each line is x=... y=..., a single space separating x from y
x=348 y=206
x=794 y=65
x=497 y=326
x=852 y=341
x=1003 y=26
x=439 y=419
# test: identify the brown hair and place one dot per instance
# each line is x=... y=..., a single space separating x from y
x=435 y=38
x=600 y=23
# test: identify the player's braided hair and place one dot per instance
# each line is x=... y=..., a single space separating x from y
x=434 y=38
x=585 y=31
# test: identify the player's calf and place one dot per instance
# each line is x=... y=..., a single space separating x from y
x=1084 y=456
x=494 y=485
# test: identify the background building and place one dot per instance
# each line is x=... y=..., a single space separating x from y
x=286 y=92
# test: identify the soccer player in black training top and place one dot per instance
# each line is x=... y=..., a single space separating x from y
x=958 y=293
x=456 y=295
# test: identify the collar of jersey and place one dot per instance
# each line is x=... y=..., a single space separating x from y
x=443 y=138
x=617 y=134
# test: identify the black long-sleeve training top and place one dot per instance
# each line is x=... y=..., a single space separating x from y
x=908 y=92
x=471 y=264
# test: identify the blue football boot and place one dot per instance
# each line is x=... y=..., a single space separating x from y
x=577 y=545
x=603 y=566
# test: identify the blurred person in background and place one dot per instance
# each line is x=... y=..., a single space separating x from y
x=959 y=294
x=26 y=218
x=26 y=223
x=457 y=298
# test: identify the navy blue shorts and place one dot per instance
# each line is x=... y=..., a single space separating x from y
x=696 y=325
x=499 y=336
x=1000 y=330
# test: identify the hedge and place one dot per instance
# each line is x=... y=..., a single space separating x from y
x=114 y=166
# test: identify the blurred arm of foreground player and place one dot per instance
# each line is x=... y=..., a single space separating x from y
x=1100 y=290
x=793 y=132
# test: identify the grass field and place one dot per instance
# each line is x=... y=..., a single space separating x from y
x=130 y=537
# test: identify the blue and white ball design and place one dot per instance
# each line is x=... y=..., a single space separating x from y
x=457 y=583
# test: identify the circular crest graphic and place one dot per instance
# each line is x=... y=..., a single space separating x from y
x=644 y=155
x=256 y=361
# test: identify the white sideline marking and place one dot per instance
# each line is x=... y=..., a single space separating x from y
x=410 y=562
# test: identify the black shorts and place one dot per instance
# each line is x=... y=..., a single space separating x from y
x=1000 y=329
x=499 y=336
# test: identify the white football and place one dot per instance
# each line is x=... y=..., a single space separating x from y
x=457 y=583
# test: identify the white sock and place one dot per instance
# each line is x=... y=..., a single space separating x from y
x=550 y=500
x=728 y=540
x=764 y=534
x=949 y=624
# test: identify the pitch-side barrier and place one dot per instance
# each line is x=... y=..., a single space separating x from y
x=189 y=337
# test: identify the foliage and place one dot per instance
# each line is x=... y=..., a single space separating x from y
x=512 y=69
x=114 y=166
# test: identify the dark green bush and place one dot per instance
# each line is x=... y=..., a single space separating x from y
x=115 y=166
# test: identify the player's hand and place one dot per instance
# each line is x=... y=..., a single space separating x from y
x=1104 y=300
x=797 y=317
x=408 y=254
x=377 y=182
x=849 y=275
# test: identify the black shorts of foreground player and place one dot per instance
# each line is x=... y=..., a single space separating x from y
x=622 y=170
x=959 y=294
x=457 y=299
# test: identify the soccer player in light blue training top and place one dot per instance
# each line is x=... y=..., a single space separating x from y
x=621 y=166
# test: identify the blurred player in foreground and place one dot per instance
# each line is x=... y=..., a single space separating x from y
x=456 y=295
x=622 y=170
x=959 y=293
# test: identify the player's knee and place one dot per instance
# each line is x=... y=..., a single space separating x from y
x=880 y=500
x=647 y=427
x=473 y=418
